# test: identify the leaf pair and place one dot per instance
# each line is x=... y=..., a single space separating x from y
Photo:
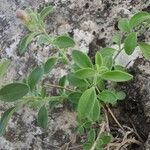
x=126 y=25
x=111 y=97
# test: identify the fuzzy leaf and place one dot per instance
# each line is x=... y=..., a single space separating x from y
x=145 y=48
x=120 y=95
x=117 y=76
x=45 y=11
x=117 y=39
x=25 y=41
x=107 y=54
x=35 y=76
x=99 y=59
x=13 y=91
x=95 y=112
x=81 y=59
x=139 y=18
x=73 y=80
x=85 y=73
x=5 y=119
x=63 y=42
x=91 y=135
x=42 y=118
x=50 y=63
x=130 y=43
x=107 y=97
x=86 y=103
x=124 y=25
x=74 y=97
x=43 y=39
x=4 y=64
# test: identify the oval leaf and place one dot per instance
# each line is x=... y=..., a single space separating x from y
x=25 y=41
x=42 y=118
x=124 y=26
x=81 y=59
x=117 y=76
x=63 y=42
x=98 y=59
x=107 y=54
x=85 y=73
x=145 y=48
x=73 y=80
x=13 y=91
x=45 y=11
x=5 y=119
x=95 y=113
x=4 y=64
x=48 y=66
x=138 y=19
x=86 y=103
x=35 y=76
x=130 y=43
x=43 y=39
x=107 y=97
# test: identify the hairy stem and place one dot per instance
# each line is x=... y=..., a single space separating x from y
x=60 y=87
x=98 y=137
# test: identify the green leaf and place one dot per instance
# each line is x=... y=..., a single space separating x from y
x=87 y=145
x=95 y=112
x=85 y=73
x=107 y=51
x=107 y=97
x=98 y=59
x=145 y=48
x=124 y=25
x=25 y=41
x=49 y=65
x=81 y=59
x=73 y=80
x=43 y=39
x=91 y=136
x=5 y=119
x=74 y=97
x=138 y=19
x=107 y=54
x=119 y=67
x=117 y=39
x=86 y=103
x=105 y=138
x=45 y=11
x=64 y=42
x=130 y=43
x=34 y=77
x=120 y=95
x=13 y=91
x=4 y=64
x=42 y=118
x=117 y=76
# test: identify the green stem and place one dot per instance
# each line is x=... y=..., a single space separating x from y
x=60 y=87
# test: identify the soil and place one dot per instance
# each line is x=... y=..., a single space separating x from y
x=91 y=23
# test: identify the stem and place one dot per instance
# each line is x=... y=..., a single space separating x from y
x=55 y=98
x=114 y=117
x=60 y=87
x=98 y=137
x=117 y=55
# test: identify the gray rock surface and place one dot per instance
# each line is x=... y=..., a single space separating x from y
x=92 y=25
